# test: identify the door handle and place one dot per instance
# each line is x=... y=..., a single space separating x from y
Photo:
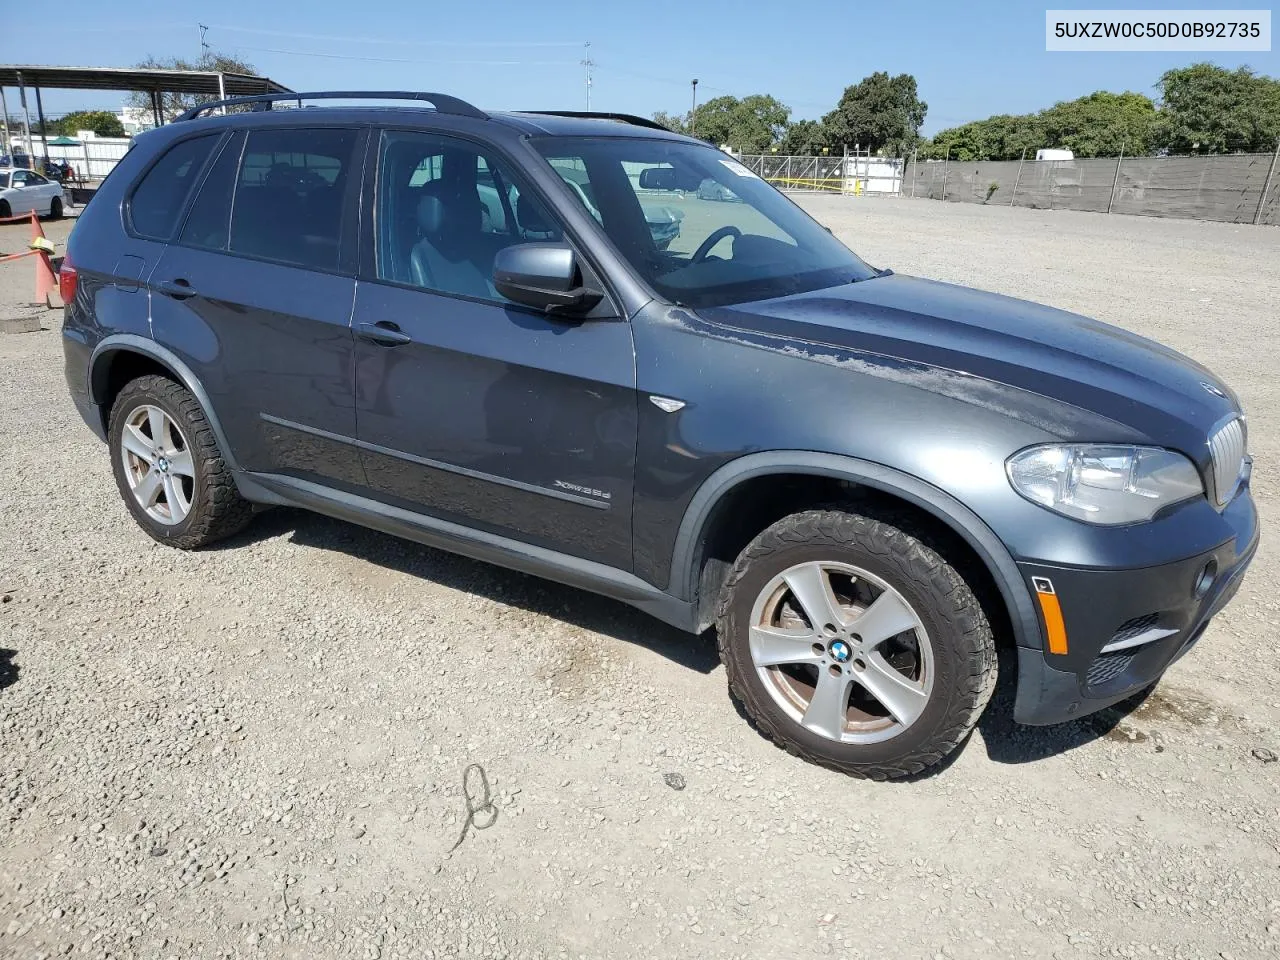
x=178 y=288
x=383 y=332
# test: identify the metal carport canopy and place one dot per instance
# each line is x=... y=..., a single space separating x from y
x=137 y=78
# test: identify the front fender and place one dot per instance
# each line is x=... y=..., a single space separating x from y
x=686 y=556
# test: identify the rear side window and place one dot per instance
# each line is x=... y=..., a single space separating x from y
x=289 y=196
x=158 y=199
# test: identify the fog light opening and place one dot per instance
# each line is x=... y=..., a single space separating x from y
x=1204 y=581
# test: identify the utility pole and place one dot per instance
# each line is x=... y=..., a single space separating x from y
x=204 y=45
x=587 y=64
x=693 y=111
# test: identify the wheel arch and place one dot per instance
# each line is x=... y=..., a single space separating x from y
x=689 y=567
x=119 y=358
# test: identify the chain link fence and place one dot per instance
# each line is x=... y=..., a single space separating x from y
x=1241 y=188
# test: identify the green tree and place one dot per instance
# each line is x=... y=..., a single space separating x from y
x=672 y=122
x=102 y=122
x=750 y=125
x=880 y=113
x=172 y=104
x=803 y=138
x=1209 y=109
x=1098 y=125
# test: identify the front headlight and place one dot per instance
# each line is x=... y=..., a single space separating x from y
x=1105 y=485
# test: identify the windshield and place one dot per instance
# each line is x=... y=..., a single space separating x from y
x=700 y=227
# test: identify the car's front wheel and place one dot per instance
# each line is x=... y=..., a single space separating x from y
x=55 y=208
x=852 y=643
x=170 y=472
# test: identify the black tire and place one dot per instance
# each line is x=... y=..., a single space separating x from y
x=964 y=658
x=5 y=211
x=55 y=208
x=217 y=509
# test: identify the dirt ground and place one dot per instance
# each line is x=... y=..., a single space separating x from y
x=258 y=750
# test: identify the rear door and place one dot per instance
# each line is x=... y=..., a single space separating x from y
x=471 y=407
x=255 y=295
x=41 y=191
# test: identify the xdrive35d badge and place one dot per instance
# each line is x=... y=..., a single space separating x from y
x=587 y=348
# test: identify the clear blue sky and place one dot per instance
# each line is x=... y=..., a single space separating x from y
x=971 y=59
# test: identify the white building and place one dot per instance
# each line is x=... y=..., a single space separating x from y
x=135 y=119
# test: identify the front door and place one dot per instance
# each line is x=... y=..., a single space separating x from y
x=470 y=407
x=256 y=294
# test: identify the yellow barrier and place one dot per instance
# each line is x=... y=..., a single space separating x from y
x=834 y=184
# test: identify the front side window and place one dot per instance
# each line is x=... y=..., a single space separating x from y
x=289 y=196
x=696 y=224
x=444 y=210
x=4 y=181
x=159 y=197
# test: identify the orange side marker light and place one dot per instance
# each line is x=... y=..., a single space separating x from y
x=1052 y=612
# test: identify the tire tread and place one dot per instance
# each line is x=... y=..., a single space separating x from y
x=898 y=541
x=220 y=511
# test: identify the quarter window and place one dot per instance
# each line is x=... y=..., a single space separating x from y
x=158 y=199
x=289 y=196
x=208 y=223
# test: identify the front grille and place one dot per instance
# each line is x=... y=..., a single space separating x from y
x=1108 y=666
x=1132 y=628
x=1227 y=448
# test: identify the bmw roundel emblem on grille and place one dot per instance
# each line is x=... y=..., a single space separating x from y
x=1212 y=389
x=840 y=651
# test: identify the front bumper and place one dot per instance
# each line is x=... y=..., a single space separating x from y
x=1124 y=628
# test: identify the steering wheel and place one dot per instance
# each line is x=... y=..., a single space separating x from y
x=706 y=246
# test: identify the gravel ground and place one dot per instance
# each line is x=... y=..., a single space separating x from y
x=258 y=750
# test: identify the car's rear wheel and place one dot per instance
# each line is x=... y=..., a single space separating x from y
x=168 y=467
x=55 y=208
x=852 y=643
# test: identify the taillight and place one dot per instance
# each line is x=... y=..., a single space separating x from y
x=67 y=280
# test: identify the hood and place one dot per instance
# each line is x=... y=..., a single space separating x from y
x=1061 y=356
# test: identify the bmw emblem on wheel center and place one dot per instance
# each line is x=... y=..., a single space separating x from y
x=839 y=651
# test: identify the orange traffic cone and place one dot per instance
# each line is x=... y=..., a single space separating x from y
x=46 y=279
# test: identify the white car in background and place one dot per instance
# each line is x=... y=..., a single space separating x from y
x=22 y=191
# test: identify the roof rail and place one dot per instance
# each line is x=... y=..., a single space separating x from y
x=592 y=115
x=442 y=102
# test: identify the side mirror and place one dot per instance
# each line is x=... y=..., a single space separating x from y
x=543 y=275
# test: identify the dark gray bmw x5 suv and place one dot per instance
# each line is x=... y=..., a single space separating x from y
x=458 y=327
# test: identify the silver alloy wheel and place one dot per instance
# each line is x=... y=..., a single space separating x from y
x=158 y=464
x=841 y=652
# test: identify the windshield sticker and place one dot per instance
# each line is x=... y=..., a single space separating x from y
x=733 y=166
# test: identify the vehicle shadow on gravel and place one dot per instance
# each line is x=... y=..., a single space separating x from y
x=588 y=611
x=8 y=669
x=1010 y=742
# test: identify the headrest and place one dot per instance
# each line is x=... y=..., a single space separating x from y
x=530 y=217
x=430 y=214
